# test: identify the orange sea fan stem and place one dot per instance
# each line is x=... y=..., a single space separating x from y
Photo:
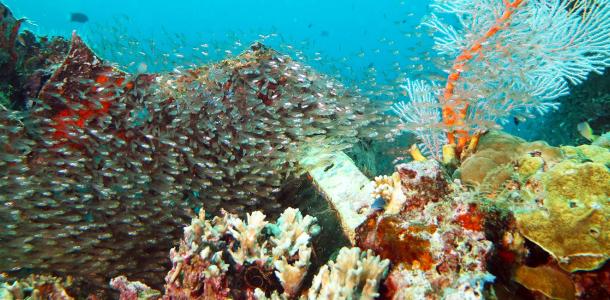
x=455 y=110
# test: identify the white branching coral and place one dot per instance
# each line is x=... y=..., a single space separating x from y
x=291 y=275
x=354 y=275
x=506 y=58
x=248 y=233
x=389 y=188
x=210 y=248
x=292 y=233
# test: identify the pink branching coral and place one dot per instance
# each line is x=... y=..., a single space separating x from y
x=508 y=58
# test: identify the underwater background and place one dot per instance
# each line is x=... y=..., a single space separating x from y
x=304 y=149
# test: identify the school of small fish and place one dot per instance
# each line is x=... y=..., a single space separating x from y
x=99 y=175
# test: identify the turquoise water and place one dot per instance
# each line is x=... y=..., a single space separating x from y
x=333 y=35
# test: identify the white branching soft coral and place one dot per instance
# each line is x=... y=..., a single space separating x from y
x=505 y=58
x=422 y=115
x=355 y=274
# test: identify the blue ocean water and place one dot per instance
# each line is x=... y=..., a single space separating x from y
x=338 y=37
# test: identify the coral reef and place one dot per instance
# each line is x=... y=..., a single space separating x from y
x=558 y=199
x=435 y=241
x=36 y=287
x=529 y=213
x=227 y=257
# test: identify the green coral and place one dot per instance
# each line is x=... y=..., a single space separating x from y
x=571 y=223
x=585 y=153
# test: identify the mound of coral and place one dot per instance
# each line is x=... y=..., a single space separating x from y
x=101 y=164
x=558 y=244
x=516 y=219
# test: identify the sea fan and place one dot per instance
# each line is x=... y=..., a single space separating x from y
x=515 y=57
x=422 y=115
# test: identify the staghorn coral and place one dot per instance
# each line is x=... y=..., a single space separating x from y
x=118 y=159
x=209 y=263
x=355 y=274
x=36 y=287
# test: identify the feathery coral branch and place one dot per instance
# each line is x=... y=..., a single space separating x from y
x=455 y=110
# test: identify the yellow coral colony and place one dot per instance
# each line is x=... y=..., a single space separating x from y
x=572 y=226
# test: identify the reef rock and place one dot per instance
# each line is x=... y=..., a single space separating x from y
x=434 y=240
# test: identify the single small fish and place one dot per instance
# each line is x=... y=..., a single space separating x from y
x=378 y=204
x=585 y=130
x=78 y=18
x=518 y=120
